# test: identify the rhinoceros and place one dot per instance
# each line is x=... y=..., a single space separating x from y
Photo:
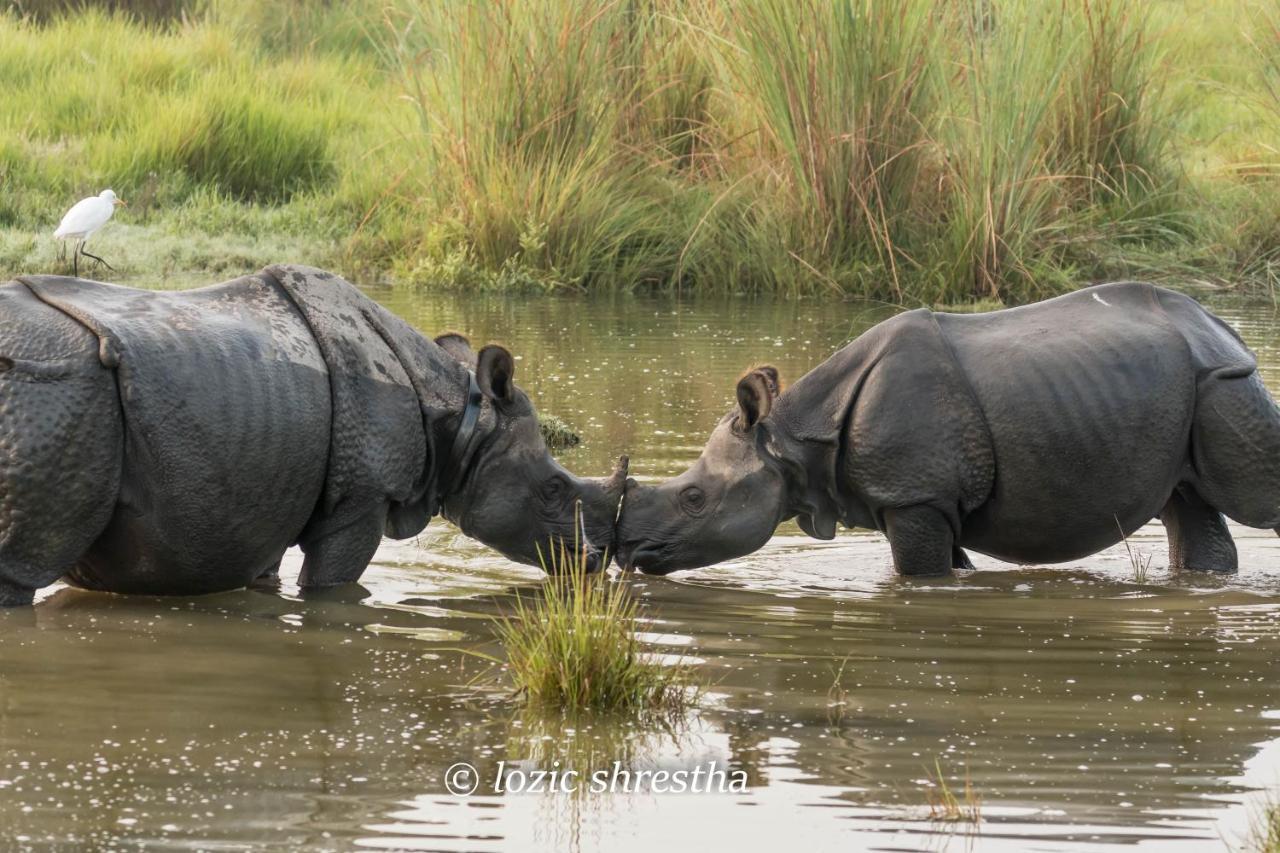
x=179 y=443
x=1036 y=434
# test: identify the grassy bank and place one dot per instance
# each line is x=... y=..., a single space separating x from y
x=918 y=151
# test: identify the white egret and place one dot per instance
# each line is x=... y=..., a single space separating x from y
x=83 y=220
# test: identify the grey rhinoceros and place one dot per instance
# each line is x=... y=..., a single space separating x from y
x=179 y=443
x=1036 y=434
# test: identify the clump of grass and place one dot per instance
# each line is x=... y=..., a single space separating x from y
x=1265 y=42
x=1139 y=562
x=946 y=805
x=1256 y=223
x=1264 y=828
x=556 y=433
x=573 y=648
x=527 y=111
x=843 y=95
x=1002 y=191
x=837 y=695
x=1110 y=121
x=149 y=11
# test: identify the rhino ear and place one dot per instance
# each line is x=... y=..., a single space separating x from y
x=459 y=347
x=771 y=376
x=755 y=399
x=494 y=371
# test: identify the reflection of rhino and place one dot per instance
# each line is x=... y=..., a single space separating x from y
x=1035 y=435
x=180 y=442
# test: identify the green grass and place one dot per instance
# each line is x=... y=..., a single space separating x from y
x=948 y=805
x=228 y=156
x=1264 y=829
x=920 y=152
x=573 y=648
x=1139 y=563
x=557 y=433
x=842 y=97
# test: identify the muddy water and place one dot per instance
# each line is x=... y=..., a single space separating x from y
x=1085 y=709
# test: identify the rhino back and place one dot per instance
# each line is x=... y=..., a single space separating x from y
x=225 y=402
x=1089 y=399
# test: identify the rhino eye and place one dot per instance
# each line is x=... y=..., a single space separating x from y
x=553 y=490
x=693 y=500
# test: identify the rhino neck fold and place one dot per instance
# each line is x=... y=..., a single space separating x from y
x=461 y=446
x=810 y=422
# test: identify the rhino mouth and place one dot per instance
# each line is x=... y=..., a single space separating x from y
x=648 y=560
x=645 y=567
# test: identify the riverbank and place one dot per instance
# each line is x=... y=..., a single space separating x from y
x=904 y=152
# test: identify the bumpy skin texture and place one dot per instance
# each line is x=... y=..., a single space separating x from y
x=60 y=443
x=1035 y=435
x=179 y=443
x=224 y=402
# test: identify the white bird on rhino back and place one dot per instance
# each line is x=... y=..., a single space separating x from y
x=83 y=220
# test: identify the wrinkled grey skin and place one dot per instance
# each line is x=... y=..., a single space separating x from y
x=179 y=443
x=1037 y=434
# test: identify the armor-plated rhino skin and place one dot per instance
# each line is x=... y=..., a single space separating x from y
x=1037 y=434
x=179 y=443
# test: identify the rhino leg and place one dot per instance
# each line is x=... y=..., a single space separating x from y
x=921 y=540
x=1198 y=537
x=339 y=549
x=1235 y=445
x=12 y=595
x=270 y=577
x=959 y=559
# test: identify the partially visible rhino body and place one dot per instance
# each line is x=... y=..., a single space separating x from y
x=1035 y=435
x=179 y=443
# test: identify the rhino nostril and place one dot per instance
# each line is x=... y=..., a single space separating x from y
x=592 y=562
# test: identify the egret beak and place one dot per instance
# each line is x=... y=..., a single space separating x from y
x=120 y=202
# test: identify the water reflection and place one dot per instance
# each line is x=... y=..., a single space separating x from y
x=1086 y=707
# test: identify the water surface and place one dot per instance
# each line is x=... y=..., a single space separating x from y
x=1085 y=708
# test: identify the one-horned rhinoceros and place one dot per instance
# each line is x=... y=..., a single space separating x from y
x=179 y=443
x=1036 y=434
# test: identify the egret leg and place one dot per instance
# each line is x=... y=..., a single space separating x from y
x=75 y=260
x=96 y=258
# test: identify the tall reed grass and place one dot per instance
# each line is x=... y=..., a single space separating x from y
x=918 y=151
x=1263 y=835
x=1000 y=187
x=841 y=97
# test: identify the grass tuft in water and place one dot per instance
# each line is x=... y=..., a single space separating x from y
x=949 y=806
x=573 y=648
x=1139 y=562
x=837 y=694
x=556 y=433
x=1264 y=828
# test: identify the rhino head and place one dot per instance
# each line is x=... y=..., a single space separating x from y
x=511 y=494
x=727 y=504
